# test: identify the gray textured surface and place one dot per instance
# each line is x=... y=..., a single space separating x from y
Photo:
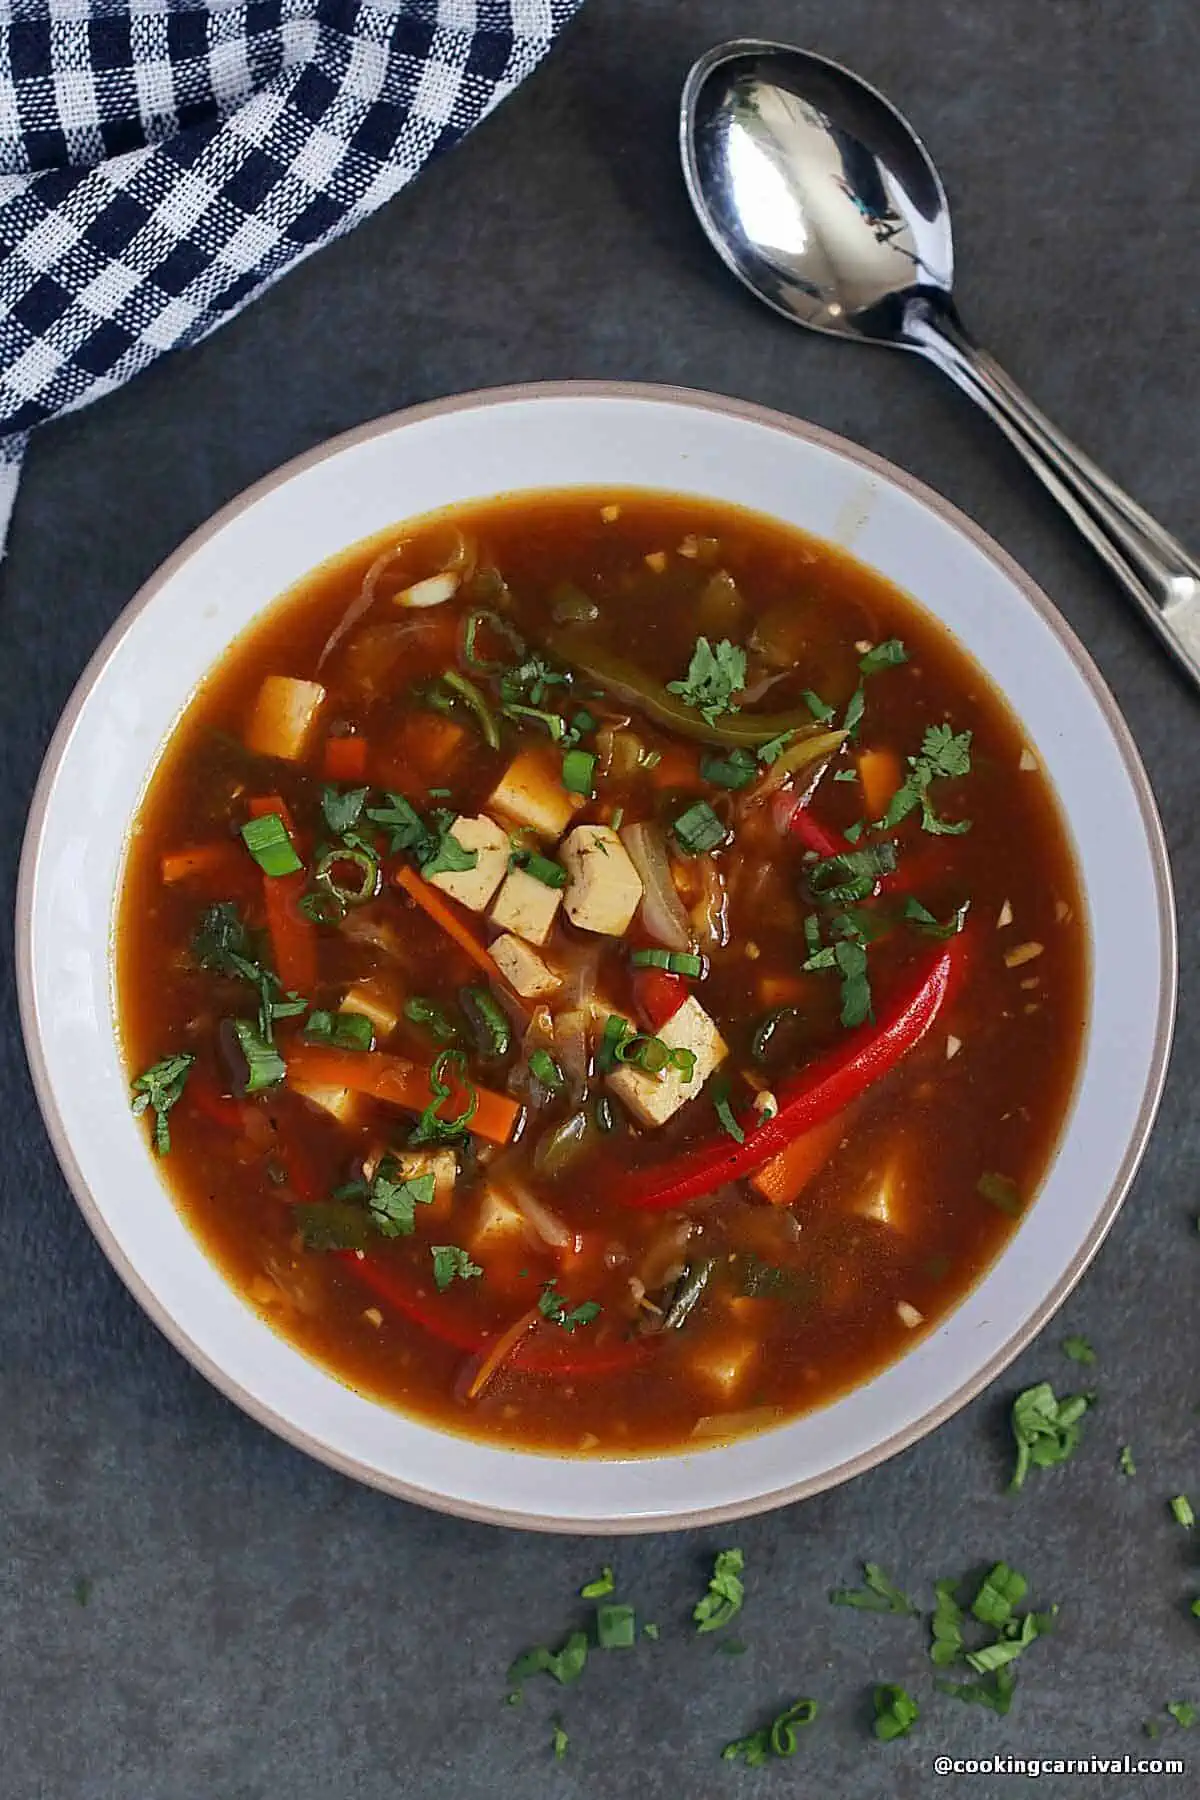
x=259 y=1627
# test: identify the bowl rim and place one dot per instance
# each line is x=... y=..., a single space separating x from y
x=751 y=412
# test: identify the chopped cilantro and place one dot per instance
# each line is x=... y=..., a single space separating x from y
x=392 y=1199
x=1079 y=1350
x=1125 y=1461
x=846 y=775
x=923 y=920
x=1001 y=1590
x=883 y=656
x=1182 y=1511
x=552 y=1306
x=565 y=1665
x=404 y=823
x=736 y=770
x=720 y=1099
x=774 y=747
x=603 y=1584
x=265 y=1067
x=820 y=709
x=650 y=1631
x=995 y=1691
x=560 y=1740
x=726 y=1592
x=449 y=1261
x=342 y=810
x=448 y=856
x=715 y=674
x=855 y=707
x=1047 y=1430
x=1183 y=1713
x=159 y=1087
x=944 y=756
x=879 y=1594
x=896 y=1712
x=850 y=875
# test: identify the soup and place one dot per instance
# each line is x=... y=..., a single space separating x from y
x=602 y=972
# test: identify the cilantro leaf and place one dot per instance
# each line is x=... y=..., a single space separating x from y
x=433 y=1127
x=923 y=920
x=776 y=1739
x=996 y=1693
x=404 y=823
x=392 y=1198
x=946 y=1625
x=449 y=1261
x=726 y=1592
x=1183 y=1713
x=1047 y=1430
x=1079 y=1350
x=945 y=755
x=158 y=1088
x=333 y=1225
x=715 y=674
x=879 y=1594
x=447 y=856
x=552 y=1306
x=1125 y=1461
x=342 y=810
x=887 y=655
x=820 y=709
x=850 y=875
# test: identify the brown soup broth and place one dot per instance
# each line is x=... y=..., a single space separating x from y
x=803 y=1301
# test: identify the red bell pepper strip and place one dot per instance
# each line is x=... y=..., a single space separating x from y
x=815 y=836
x=659 y=995
x=807 y=1099
x=540 y=1353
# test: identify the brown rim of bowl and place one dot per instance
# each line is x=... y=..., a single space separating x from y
x=872 y=464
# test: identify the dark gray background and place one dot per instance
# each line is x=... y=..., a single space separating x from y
x=260 y=1627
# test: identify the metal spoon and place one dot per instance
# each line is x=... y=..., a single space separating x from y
x=823 y=200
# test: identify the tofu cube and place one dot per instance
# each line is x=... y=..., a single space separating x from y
x=603 y=888
x=653 y=1099
x=341 y=1103
x=499 y=1222
x=374 y=1002
x=526 y=906
x=283 y=716
x=524 y=969
x=883 y=1200
x=474 y=888
x=531 y=793
x=442 y=1166
x=723 y=1364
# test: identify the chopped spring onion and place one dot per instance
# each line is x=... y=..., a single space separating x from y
x=579 y=772
x=487 y=1020
x=543 y=1066
x=268 y=842
x=554 y=722
x=776 y=1739
x=343 y=1030
x=583 y=722
x=342 y=810
x=159 y=1088
x=726 y=1592
x=616 y=1626
x=343 y=856
x=565 y=1665
x=541 y=868
x=676 y=962
x=420 y=1011
x=883 y=656
x=265 y=1065
x=653 y=1057
x=724 y=1112
x=603 y=1584
x=500 y=628
x=699 y=829
x=431 y=1127
x=393 y=1198
x=851 y=875
x=895 y=1712
x=617 y=1032
x=878 y=1594
x=1182 y=1511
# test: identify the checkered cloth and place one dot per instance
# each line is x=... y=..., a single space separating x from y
x=162 y=162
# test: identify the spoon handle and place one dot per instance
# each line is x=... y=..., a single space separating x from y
x=1152 y=566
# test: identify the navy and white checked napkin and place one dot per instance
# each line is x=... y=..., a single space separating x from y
x=162 y=162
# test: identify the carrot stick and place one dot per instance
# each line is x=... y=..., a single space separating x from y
x=781 y=990
x=677 y=768
x=788 y=1173
x=443 y=913
x=346 y=759
x=293 y=937
x=398 y=1082
x=223 y=859
x=500 y=1352
x=879 y=776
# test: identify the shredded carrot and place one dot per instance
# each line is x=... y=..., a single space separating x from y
x=788 y=1173
x=677 y=768
x=398 y=1082
x=445 y=913
x=429 y=740
x=500 y=1352
x=781 y=990
x=346 y=759
x=879 y=776
x=223 y=860
x=293 y=937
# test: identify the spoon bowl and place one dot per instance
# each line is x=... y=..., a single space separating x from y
x=825 y=203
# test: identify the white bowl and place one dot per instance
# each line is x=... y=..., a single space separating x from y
x=142 y=676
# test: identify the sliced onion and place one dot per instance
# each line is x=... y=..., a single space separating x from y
x=719 y=1425
x=710 y=915
x=544 y=1223
x=363 y=600
x=620 y=751
x=574 y=1049
x=805 y=753
x=435 y=590
x=662 y=910
x=580 y=970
